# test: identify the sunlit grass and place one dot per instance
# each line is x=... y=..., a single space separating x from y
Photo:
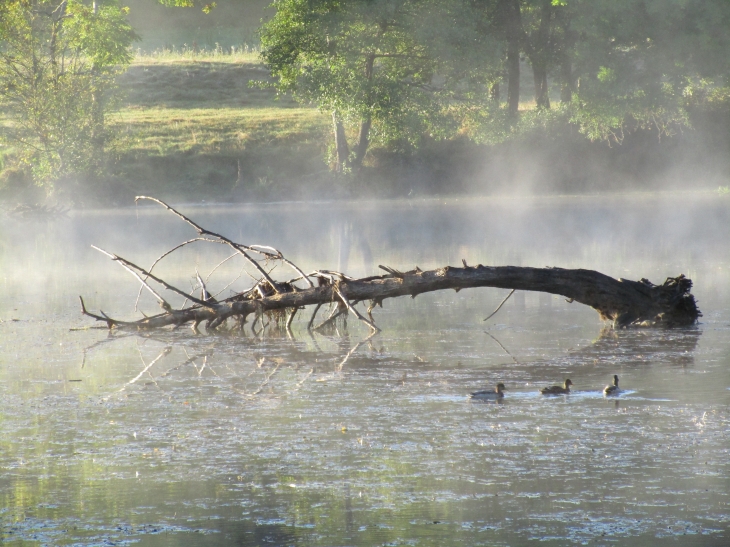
x=243 y=53
x=202 y=102
x=164 y=131
x=192 y=124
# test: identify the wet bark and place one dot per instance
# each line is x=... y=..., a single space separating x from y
x=625 y=303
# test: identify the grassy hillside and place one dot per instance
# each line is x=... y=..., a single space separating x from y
x=194 y=127
x=191 y=127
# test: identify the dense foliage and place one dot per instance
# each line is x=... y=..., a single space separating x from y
x=389 y=67
x=404 y=69
x=58 y=61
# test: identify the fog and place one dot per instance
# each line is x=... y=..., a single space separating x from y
x=261 y=431
x=551 y=157
x=230 y=23
x=333 y=437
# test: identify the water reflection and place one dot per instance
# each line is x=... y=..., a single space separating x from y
x=676 y=346
x=336 y=437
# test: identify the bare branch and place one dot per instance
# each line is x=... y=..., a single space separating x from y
x=353 y=310
x=183 y=244
x=500 y=305
x=241 y=249
x=127 y=265
x=123 y=263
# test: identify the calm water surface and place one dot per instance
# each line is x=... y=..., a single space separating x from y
x=334 y=439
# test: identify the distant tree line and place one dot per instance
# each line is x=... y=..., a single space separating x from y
x=396 y=72
x=402 y=70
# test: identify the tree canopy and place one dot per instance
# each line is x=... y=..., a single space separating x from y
x=58 y=60
x=401 y=69
x=375 y=64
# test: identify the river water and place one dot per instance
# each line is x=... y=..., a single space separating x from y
x=332 y=438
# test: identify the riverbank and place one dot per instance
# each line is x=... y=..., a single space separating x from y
x=197 y=127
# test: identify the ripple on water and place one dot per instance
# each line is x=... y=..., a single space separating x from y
x=269 y=440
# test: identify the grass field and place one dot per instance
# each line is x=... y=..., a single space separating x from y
x=190 y=119
x=192 y=126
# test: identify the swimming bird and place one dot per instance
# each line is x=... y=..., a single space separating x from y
x=557 y=390
x=614 y=389
x=496 y=394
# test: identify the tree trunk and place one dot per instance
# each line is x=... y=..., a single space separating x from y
x=513 y=27
x=542 y=96
x=624 y=303
x=362 y=144
x=343 y=151
x=97 y=118
x=363 y=141
x=494 y=92
x=567 y=45
x=538 y=47
x=97 y=130
x=566 y=79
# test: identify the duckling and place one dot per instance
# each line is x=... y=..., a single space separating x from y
x=496 y=394
x=614 y=389
x=557 y=390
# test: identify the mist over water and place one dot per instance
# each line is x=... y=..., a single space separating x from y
x=334 y=439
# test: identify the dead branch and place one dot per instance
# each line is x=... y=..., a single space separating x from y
x=623 y=302
x=241 y=249
x=163 y=303
x=353 y=310
x=166 y=253
x=500 y=304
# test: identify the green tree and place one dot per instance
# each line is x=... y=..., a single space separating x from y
x=384 y=66
x=58 y=62
x=628 y=63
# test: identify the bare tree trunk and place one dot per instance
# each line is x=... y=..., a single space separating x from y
x=363 y=142
x=513 y=32
x=343 y=151
x=539 y=73
x=623 y=302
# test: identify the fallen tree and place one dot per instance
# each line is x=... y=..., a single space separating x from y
x=623 y=302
